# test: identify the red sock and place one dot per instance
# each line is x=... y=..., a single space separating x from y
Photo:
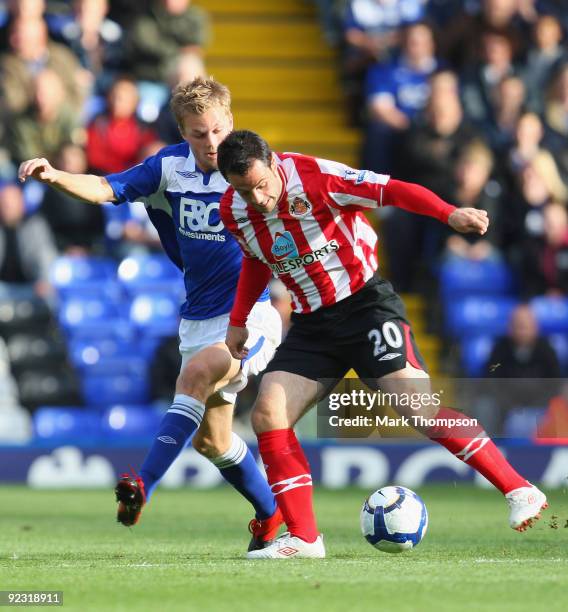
x=473 y=446
x=289 y=476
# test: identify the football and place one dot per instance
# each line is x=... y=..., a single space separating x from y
x=394 y=519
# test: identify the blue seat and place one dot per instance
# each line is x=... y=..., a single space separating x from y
x=85 y=276
x=155 y=314
x=461 y=277
x=80 y=312
x=522 y=422
x=478 y=316
x=131 y=422
x=90 y=352
x=475 y=352
x=145 y=274
x=53 y=423
x=551 y=314
x=107 y=389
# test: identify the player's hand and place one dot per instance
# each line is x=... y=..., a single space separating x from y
x=38 y=168
x=235 y=340
x=469 y=220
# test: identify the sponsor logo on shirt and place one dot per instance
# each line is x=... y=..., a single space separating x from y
x=295 y=261
x=186 y=174
x=299 y=207
x=197 y=220
x=284 y=246
x=357 y=176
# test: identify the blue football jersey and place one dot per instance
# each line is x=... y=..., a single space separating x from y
x=183 y=204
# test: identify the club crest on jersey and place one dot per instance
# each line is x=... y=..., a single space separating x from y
x=299 y=207
x=284 y=246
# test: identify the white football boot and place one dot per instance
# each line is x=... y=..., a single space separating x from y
x=525 y=504
x=288 y=546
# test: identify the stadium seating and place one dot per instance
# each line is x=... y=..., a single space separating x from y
x=476 y=316
x=80 y=314
x=66 y=424
x=475 y=352
x=460 y=278
x=155 y=314
x=551 y=314
x=23 y=315
x=131 y=422
x=85 y=276
x=107 y=389
x=150 y=273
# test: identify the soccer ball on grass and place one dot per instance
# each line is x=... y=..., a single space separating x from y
x=394 y=519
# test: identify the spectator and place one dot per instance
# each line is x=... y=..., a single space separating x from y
x=505 y=112
x=94 y=38
x=556 y=106
x=545 y=258
x=396 y=92
x=78 y=229
x=536 y=184
x=25 y=9
x=428 y=156
x=543 y=59
x=156 y=38
x=475 y=188
x=30 y=53
x=115 y=139
x=481 y=87
x=461 y=37
x=371 y=33
x=26 y=247
x=187 y=67
x=524 y=356
x=42 y=129
x=555 y=116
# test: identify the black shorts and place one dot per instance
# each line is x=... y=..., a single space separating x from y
x=367 y=331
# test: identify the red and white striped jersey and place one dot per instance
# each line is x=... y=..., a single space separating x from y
x=316 y=239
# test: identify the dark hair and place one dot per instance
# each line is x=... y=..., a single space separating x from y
x=237 y=153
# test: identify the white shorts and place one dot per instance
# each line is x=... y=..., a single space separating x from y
x=265 y=334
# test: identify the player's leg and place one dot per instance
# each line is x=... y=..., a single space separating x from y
x=387 y=357
x=196 y=382
x=282 y=400
x=202 y=369
x=469 y=443
x=229 y=453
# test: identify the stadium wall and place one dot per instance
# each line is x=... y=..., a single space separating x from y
x=334 y=465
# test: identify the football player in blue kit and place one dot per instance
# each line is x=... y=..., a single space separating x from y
x=181 y=189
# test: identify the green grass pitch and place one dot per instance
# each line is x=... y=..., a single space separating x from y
x=187 y=554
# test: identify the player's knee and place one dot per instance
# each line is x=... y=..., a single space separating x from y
x=210 y=446
x=261 y=417
x=194 y=379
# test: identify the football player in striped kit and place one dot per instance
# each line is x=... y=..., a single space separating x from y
x=301 y=219
x=181 y=189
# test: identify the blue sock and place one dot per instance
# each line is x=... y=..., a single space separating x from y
x=238 y=468
x=176 y=430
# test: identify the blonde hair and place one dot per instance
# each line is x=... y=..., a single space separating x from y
x=478 y=153
x=198 y=96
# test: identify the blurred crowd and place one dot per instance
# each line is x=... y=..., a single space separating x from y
x=469 y=99
x=86 y=84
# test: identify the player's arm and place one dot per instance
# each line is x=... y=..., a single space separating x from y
x=418 y=199
x=253 y=279
x=87 y=187
x=360 y=190
x=252 y=282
